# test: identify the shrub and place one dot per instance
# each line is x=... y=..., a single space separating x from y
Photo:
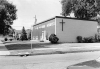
x=5 y=39
x=85 y=40
x=96 y=38
x=10 y=39
x=79 y=39
x=41 y=40
x=17 y=38
x=89 y=40
x=92 y=39
x=53 y=38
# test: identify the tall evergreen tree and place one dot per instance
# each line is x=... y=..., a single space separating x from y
x=23 y=35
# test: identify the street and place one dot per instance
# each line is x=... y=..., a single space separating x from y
x=55 y=61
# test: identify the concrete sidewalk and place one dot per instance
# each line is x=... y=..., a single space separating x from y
x=59 y=49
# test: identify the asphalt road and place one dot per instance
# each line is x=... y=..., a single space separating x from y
x=55 y=61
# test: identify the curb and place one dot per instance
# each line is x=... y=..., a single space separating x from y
x=8 y=53
x=4 y=53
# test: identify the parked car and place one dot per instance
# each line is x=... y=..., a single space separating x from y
x=92 y=64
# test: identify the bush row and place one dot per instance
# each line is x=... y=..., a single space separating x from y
x=91 y=39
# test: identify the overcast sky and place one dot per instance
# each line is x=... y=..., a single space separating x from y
x=27 y=9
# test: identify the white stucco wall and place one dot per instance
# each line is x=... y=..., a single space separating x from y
x=73 y=28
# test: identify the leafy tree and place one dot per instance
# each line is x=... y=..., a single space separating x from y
x=17 y=36
x=23 y=35
x=11 y=32
x=83 y=9
x=7 y=16
x=29 y=36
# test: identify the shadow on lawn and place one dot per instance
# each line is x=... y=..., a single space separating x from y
x=20 y=46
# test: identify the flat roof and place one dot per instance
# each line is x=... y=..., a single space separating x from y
x=62 y=17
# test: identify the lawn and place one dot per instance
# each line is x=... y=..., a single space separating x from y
x=20 y=45
x=16 y=47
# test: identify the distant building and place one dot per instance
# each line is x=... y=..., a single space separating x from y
x=66 y=29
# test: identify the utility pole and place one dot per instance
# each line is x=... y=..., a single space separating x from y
x=35 y=20
x=32 y=30
x=31 y=37
x=98 y=27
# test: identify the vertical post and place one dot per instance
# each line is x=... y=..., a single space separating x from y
x=98 y=27
x=31 y=38
x=35 y=20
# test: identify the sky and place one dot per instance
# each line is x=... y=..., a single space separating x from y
x=27 y=9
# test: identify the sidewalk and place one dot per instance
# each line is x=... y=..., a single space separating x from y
x=59 y=49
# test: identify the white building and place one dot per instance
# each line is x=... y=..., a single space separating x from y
x=66 y=29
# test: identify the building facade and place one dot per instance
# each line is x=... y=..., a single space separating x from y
x=66 y=29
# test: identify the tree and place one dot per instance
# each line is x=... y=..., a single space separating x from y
x=7 y=16
x=83 y=9
x=17 y=36
x=11 y=32
x=23 y=35
x=29 y=36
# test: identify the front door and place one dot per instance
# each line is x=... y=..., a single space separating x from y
x=43 y=35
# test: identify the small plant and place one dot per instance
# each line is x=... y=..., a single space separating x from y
x=79 y=39
x=53 y=38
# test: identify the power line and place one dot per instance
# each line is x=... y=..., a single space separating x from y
x=22 y=26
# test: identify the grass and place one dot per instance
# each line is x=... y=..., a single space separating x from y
x=26 y=45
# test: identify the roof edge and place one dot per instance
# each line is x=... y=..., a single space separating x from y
x=62 y=17
x=74 y=18
x=45 y=21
